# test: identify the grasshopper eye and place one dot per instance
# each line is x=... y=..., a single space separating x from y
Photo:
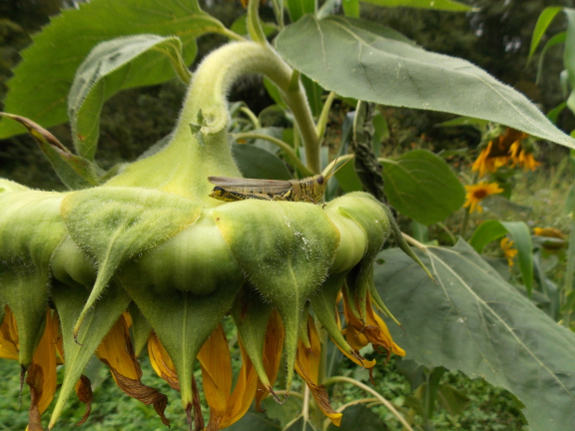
x=320 y=180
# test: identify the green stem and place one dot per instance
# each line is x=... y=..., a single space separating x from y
x=230 y=34
x=286 y=148
x=215 y=76
x=322 y=121
x=252 y=117
x=465 y=222
x=253 y=22
x=366 y=388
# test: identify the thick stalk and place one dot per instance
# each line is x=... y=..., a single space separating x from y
x=201 y=133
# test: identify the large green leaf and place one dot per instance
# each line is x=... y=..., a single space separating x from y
x=472 y=320
x=342 y=55
x=113 y=65
x=42 y=80
x=543 y=22
x=450 y=5
x=421 y=185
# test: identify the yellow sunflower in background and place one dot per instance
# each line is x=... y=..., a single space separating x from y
x=507 y=148
x=508 y=250
x=477 y=192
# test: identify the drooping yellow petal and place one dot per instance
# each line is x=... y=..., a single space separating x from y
x=355 y=357
x=374 y=329
x=117 y=352
x=161 y=362
x=226 y=407
x=307 y=366
x=215 y=360
x=244 y=392
x=116 y=349
x=41 y=374
x=8 y=336
x=272 y=355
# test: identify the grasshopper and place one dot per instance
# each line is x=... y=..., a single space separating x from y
x=310 y=189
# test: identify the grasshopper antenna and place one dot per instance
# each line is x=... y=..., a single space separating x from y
x=329 y=171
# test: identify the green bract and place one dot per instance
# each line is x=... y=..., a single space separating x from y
x=153 y=237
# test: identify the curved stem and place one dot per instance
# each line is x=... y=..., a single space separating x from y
x=253 y=23
x=205 y=105
x=366 y=388
x=252 y=117
x=288 y=150
x=322 y=121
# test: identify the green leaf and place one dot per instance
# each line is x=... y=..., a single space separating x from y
x=420 y=185
x=285 y=250
x=31 y=228
x=490 y=230
x=113 y=224
x=359 y=418
x=543 y=22
x=254 y=162
x=73 y=34
x=314 y=92
x=240 y=26
x=351 y=8
x=110 y=67
x=463 y=121
x=555 y=40
x=183 y=321
x=553 y=114
x=353 y=62
x=522 y=239
x=141 y=328
x=251 y=315
x=449 y=5
x=74 y=171
x=274 y=92
x=69 y=302
x=473 y=321
x=486 y=232
x=298 y=8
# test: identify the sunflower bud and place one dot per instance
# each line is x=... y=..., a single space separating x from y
x=152 y=240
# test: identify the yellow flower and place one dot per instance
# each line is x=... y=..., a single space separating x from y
x=505 y=149
x=307 y=366
x=489 y=160
x=477 y=192
x=508 y=250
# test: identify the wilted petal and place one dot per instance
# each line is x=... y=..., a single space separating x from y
x=307 y=366
x=226 y=407
x=116 y=351
x=8 y=336
x=377 y=332
x=161 y=362
x=83 y=390
x=272 y=355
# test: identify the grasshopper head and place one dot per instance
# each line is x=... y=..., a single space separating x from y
x=318 y=187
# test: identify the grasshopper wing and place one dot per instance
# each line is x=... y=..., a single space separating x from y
x=247 y=185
